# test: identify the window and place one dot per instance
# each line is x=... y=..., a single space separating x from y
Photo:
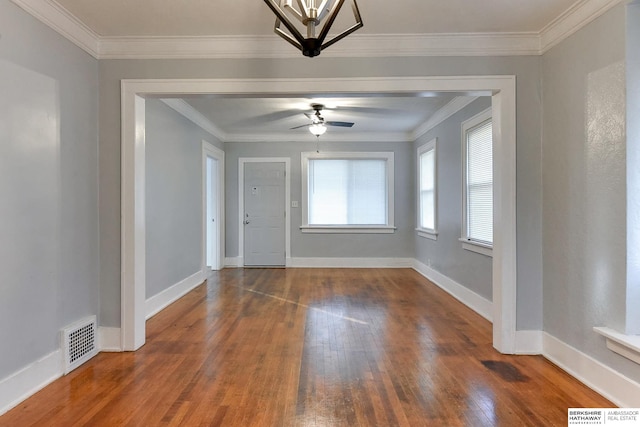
x=347 y=192
x=478 y=183
x=427 y=194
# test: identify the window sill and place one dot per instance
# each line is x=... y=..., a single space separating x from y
x=625 y=345
x=427 y=234
x=476 y=247
x=333 y=229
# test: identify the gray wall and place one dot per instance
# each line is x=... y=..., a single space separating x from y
x=48 y=188
x=396 y=245
x=584 y=187
x=526 y=69
x=173 y=173
x=446 y=255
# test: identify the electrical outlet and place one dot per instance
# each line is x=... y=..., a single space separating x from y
x=294 y=204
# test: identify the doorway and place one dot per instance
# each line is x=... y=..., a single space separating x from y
x=213 y=207
x=502 y=89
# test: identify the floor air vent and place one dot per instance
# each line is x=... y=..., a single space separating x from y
x=79 y=343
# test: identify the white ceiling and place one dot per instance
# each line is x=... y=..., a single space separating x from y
x=244 y=28
x=253 y=17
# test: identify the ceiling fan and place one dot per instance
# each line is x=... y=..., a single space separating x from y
x=318 y=124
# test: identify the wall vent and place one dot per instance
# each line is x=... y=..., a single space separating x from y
x=79 y=343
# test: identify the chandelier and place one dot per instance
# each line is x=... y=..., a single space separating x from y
x=314 y=15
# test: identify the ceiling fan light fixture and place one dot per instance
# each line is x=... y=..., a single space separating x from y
x=317 y=129
x=312 y=15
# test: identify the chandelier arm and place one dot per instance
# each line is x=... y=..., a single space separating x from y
x=333 y=14
x=285 y=21
x=304 y=10
x=289 y=7
x=324 y=8
x=340 y=36
x=288 y=37
x=359 y=24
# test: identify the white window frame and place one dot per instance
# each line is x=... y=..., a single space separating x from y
x=421 y=231
x=369 y=229
x=467 y=243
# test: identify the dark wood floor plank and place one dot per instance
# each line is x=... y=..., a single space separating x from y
x=311 y=347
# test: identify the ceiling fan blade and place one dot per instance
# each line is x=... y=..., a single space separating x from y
x=302 y=126
x=340 y=124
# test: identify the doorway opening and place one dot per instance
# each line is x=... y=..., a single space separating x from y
x=502 y=89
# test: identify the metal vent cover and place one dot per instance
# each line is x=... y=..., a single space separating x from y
x=79 y=343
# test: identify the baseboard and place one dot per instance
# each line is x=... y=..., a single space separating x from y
x=158 y=302
x=528 y=342
x=109 y=339
x=29 y=380
x=616 y=387
x=475 y=302
x=233 y=262
x=350 y=262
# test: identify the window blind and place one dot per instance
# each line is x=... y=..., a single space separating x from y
x=347 y=192
x=480 y=183
x=427 y=190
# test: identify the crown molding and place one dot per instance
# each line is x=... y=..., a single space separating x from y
x=384 y=45
x=373 y=137
x=59 y=19
x=357 y=45
x=182 y=107
x=455 y=105
x=577 y=16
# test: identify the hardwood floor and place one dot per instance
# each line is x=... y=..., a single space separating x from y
x=311 y=347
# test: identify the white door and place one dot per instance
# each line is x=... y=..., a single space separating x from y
x=213 y=258
x=264 y=214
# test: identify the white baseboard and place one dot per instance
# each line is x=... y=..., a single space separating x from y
x=475 y=302
x=29 y=380
x=528 y=342
x=158 y=302
x=233 y=262
x=350 y=262
x=619 y=389
x=109 y=339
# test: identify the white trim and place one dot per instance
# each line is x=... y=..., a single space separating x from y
x=427 y=234
x=616 y=387
x=133 y=222
x=210 y=150
x=332 y=229
x=233 y=262
x=287 y=202
x=190 y=113
x=528 y=342
x=336 y=262
x=476 y=247
x=109 y=339
x=452 y=107
x=160 y=301
x=371 y=137
x=625 y=345
x=356 y=45
x=475 y=302
x=387 y=156
x=573 y=19
x=57 y=18
x=29 y=380
x=504 y=116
